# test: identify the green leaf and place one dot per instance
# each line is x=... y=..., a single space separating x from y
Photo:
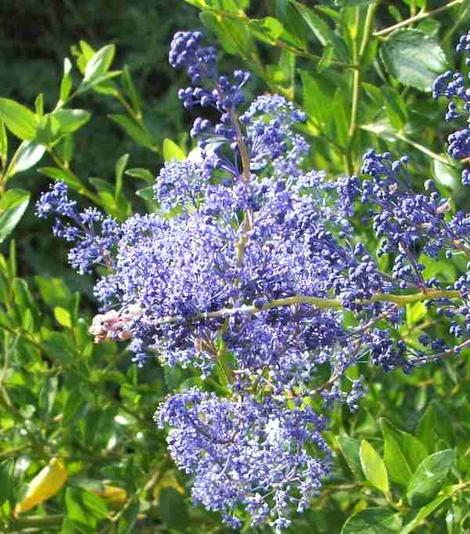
x=24 y=299
x=63 y=175
x=416 y=3
x=21 y=121
x=99 y=63
x=402 y=453
x=130 y=89
x=39 y=105
x=102 y=186
x=446 y=175
x=53 y=291
x=374 y=93
x=172 y=509
x=147 y=193
x=267 y=29
x=317 y=25
x=27 y=155
x=340 y=118
x=429 y=477
x=48 y=130
x=353 y=3
x=201 y=4
x=128 y=519
x=76 y=511
x=3 y=142
x=95 y=505
x=100 y=84
x=6 y=480
x=70 y=120
x=395 y=461
x=65 y=148
x=84 y=53
x=296 y=30
x=373 y=467
x=373 y=521
x=141 y=173
x=424 y=512
x=136 y=132
x=413 y=58
x=13 y=204
x=63 y=317
x=415 y=312
x=66 y=82
x=395 y=108
x=325 y=35
x=121 y=164
x=434 y=424
x=317 y=100
x=234 y=35
x=172 y=151
x=350 y=449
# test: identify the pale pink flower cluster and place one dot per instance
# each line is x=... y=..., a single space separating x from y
x=114 y=324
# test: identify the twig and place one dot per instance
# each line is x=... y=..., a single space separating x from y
x=318 y=302
x=358 y=55
x=420 y=16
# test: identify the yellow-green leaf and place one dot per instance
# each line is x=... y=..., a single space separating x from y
x=373 y=467
x=44 y=485
x=20 y=120
x=172 y=151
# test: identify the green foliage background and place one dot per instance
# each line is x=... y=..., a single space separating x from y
x=403 y=460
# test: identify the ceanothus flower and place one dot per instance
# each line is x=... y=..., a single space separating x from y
x=94 y=236
x=245 y=274
x=246 y=454
x=453 y=86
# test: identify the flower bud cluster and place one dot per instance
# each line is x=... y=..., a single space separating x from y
x=453 y=86
x=93 y=235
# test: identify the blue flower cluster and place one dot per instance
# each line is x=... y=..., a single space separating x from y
x=453 y=86
x=246 y=452
x=93 y=235
x=245 y=275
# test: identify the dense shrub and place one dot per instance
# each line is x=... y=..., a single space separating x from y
x=294 y=303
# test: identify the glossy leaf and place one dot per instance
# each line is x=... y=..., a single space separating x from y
x=120 y=167
x=131 y=89
x=3 y=142
x=350 y=450
x=429 y=477
x=373 y=521
x=143 y=174
x=373 y=467
x=172 y=151
x=268 y=29
x=322 y=31
x=21 y=121
x=99 y=63
x=71 y=120
x=28 y=154
x=13 y=204
x=402 y=453
x=423 y=513
x=66 y=82
x=413 y=58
